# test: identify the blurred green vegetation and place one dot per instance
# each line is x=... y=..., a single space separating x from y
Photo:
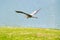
x=17 y=33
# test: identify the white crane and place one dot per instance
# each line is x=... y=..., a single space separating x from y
x=29 y=15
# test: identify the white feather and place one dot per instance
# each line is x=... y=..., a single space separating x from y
x=36 y=11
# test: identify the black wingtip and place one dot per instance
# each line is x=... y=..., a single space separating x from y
x=17 y=11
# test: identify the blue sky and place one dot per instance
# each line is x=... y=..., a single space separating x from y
x=48 y=16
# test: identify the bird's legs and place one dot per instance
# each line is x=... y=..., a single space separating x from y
x=35 y=17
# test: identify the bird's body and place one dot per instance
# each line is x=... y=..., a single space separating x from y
x=29 y=15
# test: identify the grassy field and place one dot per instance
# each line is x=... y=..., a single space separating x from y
x=15 y=33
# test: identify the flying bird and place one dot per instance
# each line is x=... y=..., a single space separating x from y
x=29 y=15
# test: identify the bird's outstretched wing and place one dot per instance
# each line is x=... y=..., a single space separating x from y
x=22 y=12
x=35 y=12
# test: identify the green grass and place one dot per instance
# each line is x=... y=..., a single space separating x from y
x=29 y=34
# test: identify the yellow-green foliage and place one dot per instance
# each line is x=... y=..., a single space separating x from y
x=15 y=33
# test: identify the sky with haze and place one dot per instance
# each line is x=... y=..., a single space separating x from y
x=48 y=16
